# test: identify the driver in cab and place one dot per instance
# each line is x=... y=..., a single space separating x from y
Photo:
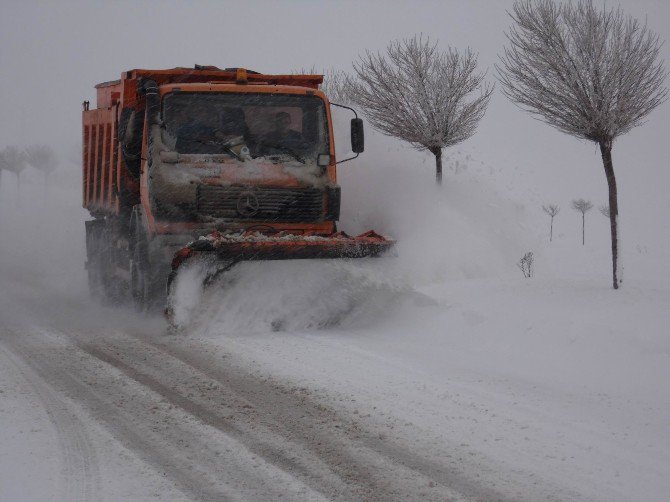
x=282 y=138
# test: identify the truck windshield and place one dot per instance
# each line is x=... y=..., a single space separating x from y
x=268 y=125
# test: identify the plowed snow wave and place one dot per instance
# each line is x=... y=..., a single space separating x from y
x=446 y=233
x=291 y=295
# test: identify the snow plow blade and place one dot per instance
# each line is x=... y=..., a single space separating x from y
x=221 y=251
x=247 y=246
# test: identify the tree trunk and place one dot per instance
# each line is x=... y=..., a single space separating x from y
x=606 y=153
x=551 y=230
x=438 y=164
x=583 y=240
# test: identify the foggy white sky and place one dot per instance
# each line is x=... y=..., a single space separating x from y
x=53 y=53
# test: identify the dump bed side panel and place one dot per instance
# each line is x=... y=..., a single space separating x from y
x=100 y=160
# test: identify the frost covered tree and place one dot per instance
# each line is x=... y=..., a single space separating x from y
x=587 y=70
x=419 y=94
x=335 y=85
x=14 y=160
x=43 y=158
x=582 y=206
x=552 y=210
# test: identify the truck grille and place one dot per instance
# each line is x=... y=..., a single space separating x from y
x=261 y=204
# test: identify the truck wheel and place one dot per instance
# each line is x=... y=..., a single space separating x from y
x=114 y=288
x=93 y=259
x=140 y=270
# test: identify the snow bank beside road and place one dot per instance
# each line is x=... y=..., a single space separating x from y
x=558 y=390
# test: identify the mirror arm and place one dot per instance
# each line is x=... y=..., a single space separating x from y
x=347 y=107
x=355 y=115
x=347 y=160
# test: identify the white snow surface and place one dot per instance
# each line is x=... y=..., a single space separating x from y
x=558 y=379
x=554 y=387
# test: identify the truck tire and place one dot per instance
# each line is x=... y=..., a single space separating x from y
x=115 y=289
x=147 y=287
x=93 y=259
x=139 y=261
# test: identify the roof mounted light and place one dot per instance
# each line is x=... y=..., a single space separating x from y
x=241 y=77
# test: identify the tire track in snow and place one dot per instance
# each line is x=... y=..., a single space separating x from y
x=198 y=419
x=80 y=467
x=288 y=428
x=203 y=463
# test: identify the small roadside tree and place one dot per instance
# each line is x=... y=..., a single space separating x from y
x=526 y=265
x=43 y=158
x=582 y=206
x=14 y=160
x=589 y=71
x=552 y=210
x=605 y=211
x=419 y=94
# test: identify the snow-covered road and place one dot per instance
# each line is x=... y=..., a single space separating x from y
x=196 y=425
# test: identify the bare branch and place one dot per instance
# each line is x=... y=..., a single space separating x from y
x=336 y=86
x=551 y=209
x=581 y=205
x=335 y=83
x=590 y=72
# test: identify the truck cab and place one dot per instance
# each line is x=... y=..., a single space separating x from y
x=238 y=156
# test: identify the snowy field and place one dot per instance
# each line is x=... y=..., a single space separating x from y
x=548 y=388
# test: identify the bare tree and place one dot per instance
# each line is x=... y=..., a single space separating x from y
x=589 y=71
x=605 y=211
x=582 y=206
x=526 y=265
x=421 y=95
x=14 y=160
x=42 y=158
x=552 y=210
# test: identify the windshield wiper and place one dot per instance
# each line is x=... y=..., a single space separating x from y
x=225 y=147
x=290 y=151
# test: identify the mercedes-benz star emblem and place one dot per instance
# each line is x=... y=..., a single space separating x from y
x=247 y=204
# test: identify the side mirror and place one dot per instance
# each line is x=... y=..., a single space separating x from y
x=357 y=136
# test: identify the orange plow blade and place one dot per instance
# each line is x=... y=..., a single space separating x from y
x=245 y=246
x=219 y=252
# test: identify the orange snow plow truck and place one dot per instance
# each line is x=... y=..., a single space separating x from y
x=190 y=164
